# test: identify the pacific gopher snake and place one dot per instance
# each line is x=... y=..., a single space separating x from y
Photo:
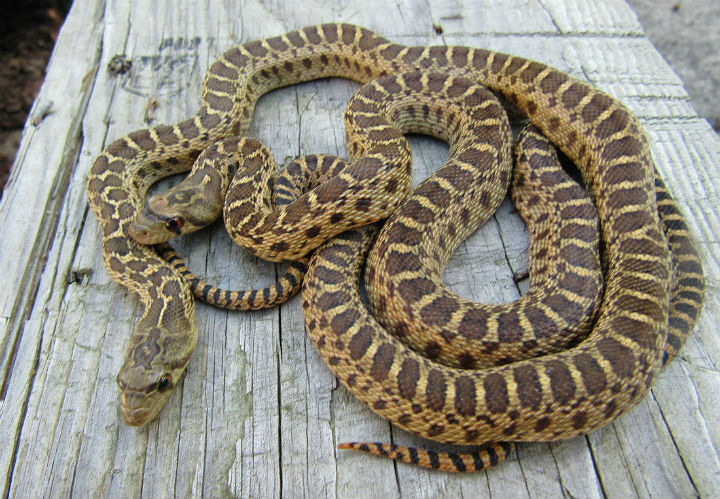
x=570 y=392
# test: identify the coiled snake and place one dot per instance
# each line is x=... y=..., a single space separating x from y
x=653 y=286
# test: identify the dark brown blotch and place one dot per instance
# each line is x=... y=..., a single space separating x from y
x=624 y=146
x=592 y=374
x=143 y=139
x=626 y=196
x=552 y=82
x=256 y=49
x=438 y=55
x=408 y=378
x=542 y=424
x=360 y=342
x=280 y=247
x=477 y=158
x=208 y=120
x=465 y=397
x=166 y=135
x=343 y=321
x=432 y=350
x=473 y=325
x=363 y=204
x=219 y=102
x=312 y=35
x=434 y=193
x=561 y=381
x=542 y=324
x=417 y=212
x=397 y=262
x=581 y=284
x=515 y=64
x=496 y=393
x=121 y=149
x=597 y=105
x=295 y=38
x=498 y=62
x=412 y=290
x=583 y=232
x=455 y=175
x=617 y=121
x=439 y=311
x=221 y=86
x=382 y=362
x=332 y=299
x=632 y=221
x=436 y=391
x=277 y=43
x=401 y=232
x=237 y=58
x=328 y=275
x=579 y=419
x=459 y=56
x=509 y=329
x=391 y=51
x=411 y=59
x=529 y=390
x=219 y=68
x=619 y=356
x=188 y=129
x=576 y=255
x=330 y=190
x=531 y=72
x=330 y=32
x=574 y=94
x=295 y=211
x=348 y=33
x=312 y=232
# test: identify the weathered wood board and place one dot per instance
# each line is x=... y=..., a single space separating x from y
x=258 y=414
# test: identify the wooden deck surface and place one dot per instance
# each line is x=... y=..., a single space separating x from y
x=258 y=413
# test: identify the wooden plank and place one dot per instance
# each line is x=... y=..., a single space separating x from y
x=31 y=213
x=258 y=413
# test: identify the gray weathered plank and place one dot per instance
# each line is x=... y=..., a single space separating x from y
x=258 y=413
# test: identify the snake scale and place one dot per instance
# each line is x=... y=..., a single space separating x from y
x=654 y=283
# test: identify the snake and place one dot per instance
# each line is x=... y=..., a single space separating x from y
x=653 y=284
x=403 y=279
x=199 y=200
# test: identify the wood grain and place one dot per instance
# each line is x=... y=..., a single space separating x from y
x=258 y=414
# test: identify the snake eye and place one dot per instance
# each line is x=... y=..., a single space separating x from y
x=174 y=224
x=165 y=383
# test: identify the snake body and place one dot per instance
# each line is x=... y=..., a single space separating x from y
x=653 y=287
x=404 y=274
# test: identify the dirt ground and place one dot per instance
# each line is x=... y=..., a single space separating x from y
x=27 y=36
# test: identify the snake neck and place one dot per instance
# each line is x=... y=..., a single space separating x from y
x=161 y=344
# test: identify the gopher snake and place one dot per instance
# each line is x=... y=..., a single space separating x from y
x=566 y=393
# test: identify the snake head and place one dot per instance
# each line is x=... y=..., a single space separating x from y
x=155 y=360
x=144 y=392
x=158 y=222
